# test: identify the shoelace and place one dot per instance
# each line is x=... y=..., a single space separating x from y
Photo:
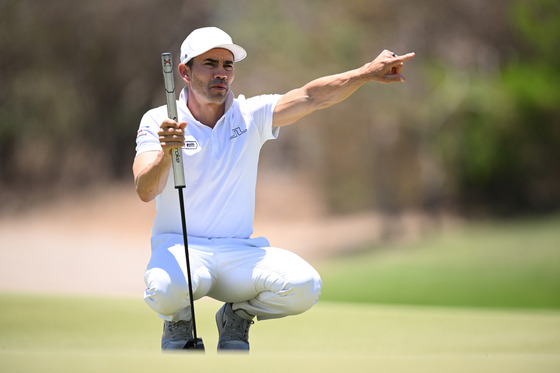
x=178 y=330
x=238 y=328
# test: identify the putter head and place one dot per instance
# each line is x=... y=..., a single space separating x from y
x=195 y=344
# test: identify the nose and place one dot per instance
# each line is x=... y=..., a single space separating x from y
x=220 y=74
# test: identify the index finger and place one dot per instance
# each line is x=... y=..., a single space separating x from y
x=169 y=123
x=404 y=57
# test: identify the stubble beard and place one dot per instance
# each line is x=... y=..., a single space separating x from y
x=213 y=95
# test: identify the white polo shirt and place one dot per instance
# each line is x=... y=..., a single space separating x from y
x=220 y=167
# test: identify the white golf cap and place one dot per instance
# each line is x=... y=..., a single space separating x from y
x=203 y=39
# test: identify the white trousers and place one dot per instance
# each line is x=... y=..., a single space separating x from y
x=260 y=280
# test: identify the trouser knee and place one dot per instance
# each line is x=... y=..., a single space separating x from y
x=169 y=299
x=301 y=296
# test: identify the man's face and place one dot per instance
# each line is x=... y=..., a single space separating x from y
x=211 y=75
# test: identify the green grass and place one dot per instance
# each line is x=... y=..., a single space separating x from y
x=479 y=270
x=40 y=333
x=500 y=265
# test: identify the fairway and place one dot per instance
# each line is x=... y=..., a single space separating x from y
x=499 y=265
x=75 y=334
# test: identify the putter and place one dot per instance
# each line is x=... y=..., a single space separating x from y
x=179 y=178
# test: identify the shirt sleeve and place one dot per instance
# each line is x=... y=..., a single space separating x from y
x=147 y=138
x=262 y=109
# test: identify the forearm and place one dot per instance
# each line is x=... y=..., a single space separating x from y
x=329 y=90
x=318 y=94
x=151 y=172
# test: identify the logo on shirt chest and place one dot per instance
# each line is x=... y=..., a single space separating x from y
x=236 y=132
x=192 y=146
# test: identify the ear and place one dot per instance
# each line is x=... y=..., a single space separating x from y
x=185 y=72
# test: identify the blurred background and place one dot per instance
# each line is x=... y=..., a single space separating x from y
x=443 y=191
x=474 y=131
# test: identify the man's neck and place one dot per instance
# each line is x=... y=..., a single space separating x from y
x=207 y=113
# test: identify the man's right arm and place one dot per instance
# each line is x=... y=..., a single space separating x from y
x=151 y=168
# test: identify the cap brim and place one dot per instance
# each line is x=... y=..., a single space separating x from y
x=238 y=52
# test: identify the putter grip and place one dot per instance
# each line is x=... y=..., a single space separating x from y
x=169 y=82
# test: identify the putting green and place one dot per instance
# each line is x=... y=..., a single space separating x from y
x=75 y=334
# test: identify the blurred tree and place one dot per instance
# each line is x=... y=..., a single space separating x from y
x=502 y=146
x=476 y=124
